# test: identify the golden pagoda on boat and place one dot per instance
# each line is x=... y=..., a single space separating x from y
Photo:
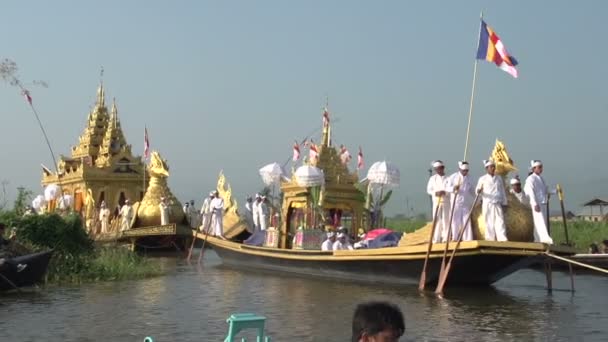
x=103 y=169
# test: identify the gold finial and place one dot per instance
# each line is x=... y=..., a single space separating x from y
x=101 y=96
x=114 y=110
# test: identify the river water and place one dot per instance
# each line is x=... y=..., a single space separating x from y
x=191 y=303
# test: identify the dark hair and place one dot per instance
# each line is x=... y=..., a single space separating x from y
x=374 y=317
x=594 y=249
x=605 y=242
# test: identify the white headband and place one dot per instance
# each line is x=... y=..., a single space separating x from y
x=463 y=165
x=437 y=163
x=535 y=163
x=515 y=181
x=487 y=163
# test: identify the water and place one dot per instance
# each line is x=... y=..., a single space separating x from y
x=192 y=303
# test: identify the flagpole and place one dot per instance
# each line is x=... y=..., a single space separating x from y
x=144 y=164
x=466 y=144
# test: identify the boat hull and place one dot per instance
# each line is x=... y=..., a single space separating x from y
x=478 y=263
x=33 y=273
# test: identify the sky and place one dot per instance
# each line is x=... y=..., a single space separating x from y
x=229 y=85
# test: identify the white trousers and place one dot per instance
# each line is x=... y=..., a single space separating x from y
x=256 y=222
x=461 y=212
x=443 y=219
x=263 y=222
x=541 y=234
x=218 y=225
x=206 y=222
x=495 y=221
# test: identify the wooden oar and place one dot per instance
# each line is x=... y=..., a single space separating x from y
x=560 y=194
x=448 y=266
x=449 y=237
x=191 y=245
x=591 y=267
x=200 y=256
x=422 y=282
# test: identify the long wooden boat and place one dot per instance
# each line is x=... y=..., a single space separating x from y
x=25 y=270
x=477 y=263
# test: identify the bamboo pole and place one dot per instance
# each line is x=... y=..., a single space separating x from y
x=591 y=267
x=466 y=144
x=449 y=237
x=422 y=281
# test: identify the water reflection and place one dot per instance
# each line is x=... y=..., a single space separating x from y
x=192 y=302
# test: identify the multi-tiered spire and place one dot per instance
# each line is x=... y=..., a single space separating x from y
x=92 y=137
x=113 y=140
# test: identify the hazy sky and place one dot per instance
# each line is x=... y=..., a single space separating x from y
x=230 y=84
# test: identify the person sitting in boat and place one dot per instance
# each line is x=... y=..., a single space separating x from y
x=517 y=191
x=342 y=243
x=593 y=249
x=604 y=247
x=328 y=245
x=377 y=321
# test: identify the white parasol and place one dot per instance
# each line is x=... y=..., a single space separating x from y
x=384 y=173
x=272 y=173
x=308 y=176
x=38 y=202
x=65 y=202
x=51 y=192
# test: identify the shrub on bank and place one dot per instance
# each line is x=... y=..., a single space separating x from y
x=75 y=258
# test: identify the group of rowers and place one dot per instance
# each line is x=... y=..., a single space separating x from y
x=457 y=190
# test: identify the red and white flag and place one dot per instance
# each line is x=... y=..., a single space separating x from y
x=296 y=151
x=146 y=144
x=360 y=159
x=28 y=97
x=325 y=117
x=313 y=152
x=344 y=155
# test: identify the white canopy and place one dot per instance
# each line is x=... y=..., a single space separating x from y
x=307 y=176
x=51 y=192
x=383 y=173
x=272 y=173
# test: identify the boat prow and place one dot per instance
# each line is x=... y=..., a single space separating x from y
x=477 y=263
x=25 y=270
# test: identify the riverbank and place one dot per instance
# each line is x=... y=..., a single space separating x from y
x=76 y=259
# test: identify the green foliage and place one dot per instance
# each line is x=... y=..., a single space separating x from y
x=22 y=201
x=406 y=225
x=581 y=233
x=63 y=234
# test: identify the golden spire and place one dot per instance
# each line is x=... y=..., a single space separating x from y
x=114 y=115
x=101 y=96
x=326 y=139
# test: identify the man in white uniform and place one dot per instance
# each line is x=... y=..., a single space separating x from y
x=249 y=214
x=342 y=243
x=126 y=213
x=461 y=183
x=491 y=189
x=206 y=213
x=263 y=213
x=328 y=245
x=436 y=189
x=164 y=211
x=538 y=192
x=255 y=211
x=217 y=208
x=517 y=191
x=193 y=215
x=104 y=217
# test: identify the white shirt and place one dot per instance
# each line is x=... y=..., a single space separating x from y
x=126 y=211
x=493 y=189
x=521 y=196
x=536 y=189
x=205 y=209
x=217 y=205
x=338 y=246
x=466 y=193
x=436 y=183
x=327 y=245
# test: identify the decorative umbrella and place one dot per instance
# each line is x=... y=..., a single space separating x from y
x=383 y=173
x=272 y=173
x=38 y=202
x=65 y=202
x=51 y=192
x=308 y=176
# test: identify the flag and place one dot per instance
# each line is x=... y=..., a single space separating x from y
x=28 y=97
x=344 y=155
x=325 y=117
x=296 y=151
x=360 y=159
x=491 y=49
x=313 y=152
x=146 y=144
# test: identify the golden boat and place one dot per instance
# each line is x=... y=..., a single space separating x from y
x=293 y=246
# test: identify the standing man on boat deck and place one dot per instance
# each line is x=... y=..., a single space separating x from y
x=538 y=192
x=164 y=211
x=217 y=208
x=255 y=211
x=193 y=216
x=206 y=213
x=460 y=182
x=104 y=217
x=491 y=189
x=249 y=214
x=436 y=188
x=517 y=191
x=263 y=213
x=126 y=214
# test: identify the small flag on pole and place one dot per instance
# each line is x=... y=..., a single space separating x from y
x=296 y=151
x=146 y=144
x=325 y=117
x=344 y=155
x=313 y=152
x=360 y=159
x=28 y=97
x=491 y=49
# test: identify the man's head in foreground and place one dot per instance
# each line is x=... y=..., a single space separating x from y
x=377 y=322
